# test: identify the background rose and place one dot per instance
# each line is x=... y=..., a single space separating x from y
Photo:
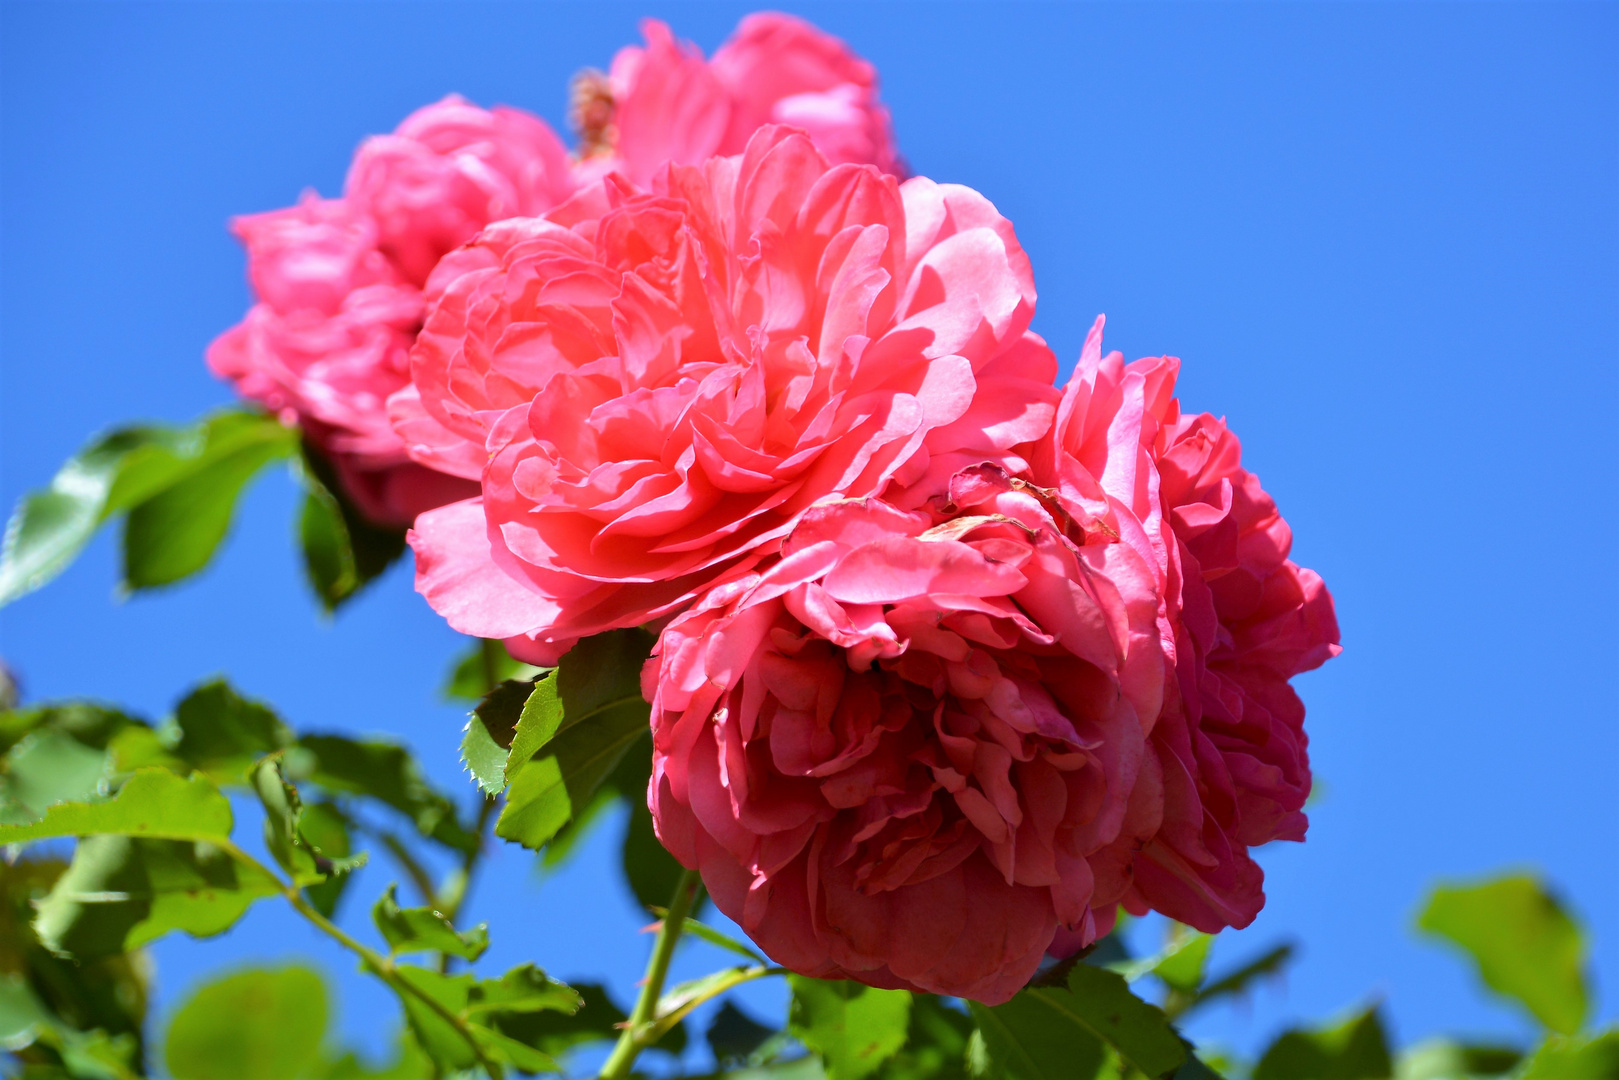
x=892 y=753
x=1239 y=619
x=665 y=103
x=338 y=285
x=653 y=385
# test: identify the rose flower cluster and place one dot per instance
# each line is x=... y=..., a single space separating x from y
x=953 y=662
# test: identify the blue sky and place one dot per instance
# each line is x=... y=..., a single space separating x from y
x=1384 y=238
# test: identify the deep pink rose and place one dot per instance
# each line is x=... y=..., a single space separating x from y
x=1229 y=769
x=666 y=103
x=893 y=753
x=653 y=386
x=339 y=286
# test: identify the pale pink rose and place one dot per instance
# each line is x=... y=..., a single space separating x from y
x=1229 y=769
x=665 y=103
x=338 y=285
x=653 y=386
x=894 y=753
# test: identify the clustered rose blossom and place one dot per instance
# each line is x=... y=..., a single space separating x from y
x=952 y=663
x=653 y=386
x=665 y=103
x=339 y=281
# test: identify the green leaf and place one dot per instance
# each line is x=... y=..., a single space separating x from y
x=573 y=731
x=282 y=811
x=343 y=550
x=1238 y=981
x=1028 y=1035
x=1596 y=1058
x=325 y=830
x=1184 y=961
x=488 y=740
x=261 y=1024
x=651 y=872
x=108 y=994
x=121 y=892
x=935 y=1045
x=48 y=767
x=382 y=771
x=556 y=1032
x=1353 y=1049
x=1524 y=942
x=855 y=1028
x=409 y=1063
x=470 y=678
x=1442 y=1059
x=714 y=937
x=598 y=676
x=153 y=803
x=408 y=930
x=180 y=505
x=483 y=1006
x=678 y=1001
x=50 y=527
x=733 y=1035
x=223 y=734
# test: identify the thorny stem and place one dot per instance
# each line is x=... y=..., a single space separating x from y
x=657 y=970
x=384 y=966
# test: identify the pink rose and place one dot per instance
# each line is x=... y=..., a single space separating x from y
x=1229 y=769
x=664 y=103
x=894 y=753
x=654 y=386
x=338 y=283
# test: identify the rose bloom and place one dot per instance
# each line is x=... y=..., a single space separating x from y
x=1228 y=769
x=894 y=753
x=666 y=103
x=339 y=286
x=652 y=386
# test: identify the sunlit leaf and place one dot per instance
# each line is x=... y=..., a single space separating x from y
x=45 y=768
x=853 y=1027
x=555 y=1032
x=598 y=676
x=261 y=1024
x=1184 y=961
x=1353 y=1049
x=1244 y=976
x=1524 y=942
x=121 y=892
x=1443 y=1059
x=488 y=739
x=51 y=526
x=409 y=1063
x=1596 y=1058
x=324 y=828
x=282 y=811
x=153 y=803
x=408 y=930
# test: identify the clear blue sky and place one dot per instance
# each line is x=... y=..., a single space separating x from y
x=1384 y=238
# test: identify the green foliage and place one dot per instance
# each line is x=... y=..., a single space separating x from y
x=177 y=487
x=733 y=1036
x=1443 y=1059
x=154 y=804
x=1355 y=1048
x=383 y=771
x=1042 y=1031
x=483 y=1006
x=854 y=1028
x=343 y=550
x=1244 y=976
x=573 y=730
x=412 y=930
x=122 y=892
x=935 y=1043
x=261 y=1024
x=221 y=733
x=1524 y=942
x=488 y=741
x=1574 y=1058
